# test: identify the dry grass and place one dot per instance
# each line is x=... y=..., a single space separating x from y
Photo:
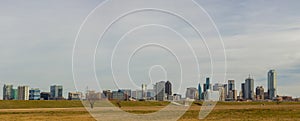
x=223 y=111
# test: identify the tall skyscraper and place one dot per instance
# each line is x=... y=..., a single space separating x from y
x=168 y=89
x=56 y=92
x=34 y=94
x=199 y=92
x=144 y=91
x=231 y=85
x=8 y=92
x=225 y=90
x=207 y=83
x=272 y=84
x=249 y=88
x=159 y=89
x=243 y=91
x=23 y=93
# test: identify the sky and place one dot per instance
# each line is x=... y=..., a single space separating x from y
x=236 y=39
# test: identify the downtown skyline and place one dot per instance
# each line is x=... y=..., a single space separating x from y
x=37 y=41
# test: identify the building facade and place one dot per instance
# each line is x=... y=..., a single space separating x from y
x=34 y=94
x=260 y=93
x=74 y=96
x=159 y=89
x=272 y=84
x=56 y=92
x=8 y=92
x=191 y=93
x=249 y=88
x=23 y=92
x=168 y=90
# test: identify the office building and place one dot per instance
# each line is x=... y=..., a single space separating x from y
x=34 y=94
x=208 y=86
x=243 y=96
x=168 y=90
x=249 y=88
x=56 y=92
x=45 y=96
x=272 y=84
x=159 y=89
x=23 y=93
x=225 y=86
x=232 y=95
x=199 y=92
x=8 y=92
x=15 y=94
x=75 y=96
x=191 y=93
x=231 y=85
x=144 y=91
x=260 y=93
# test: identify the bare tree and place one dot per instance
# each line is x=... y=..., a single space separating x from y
x=92 y=97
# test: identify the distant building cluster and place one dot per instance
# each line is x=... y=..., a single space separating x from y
x=25 y=93
x=161 y=91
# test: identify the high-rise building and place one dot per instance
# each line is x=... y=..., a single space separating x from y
x=144 y=91
x=232 y=95
x=199 y=92
x=23 y=93
x=159 y=89
x=15 y=94
x=231 y=85
x=225 y=90
x=260 y=93
x=243 y=96
x=207 y=84
x=34 y=94
x=191 y=93
x=272 y=84
x=168 y=87
x=7 y=92
x=56 y=92
x=249 y=88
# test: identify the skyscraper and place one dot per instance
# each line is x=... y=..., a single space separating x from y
x=159 y=89
x=207 y=83
x=199 y=92
x=7 y=92
x=144 y=91
x=23 y=93
x=272 y=84
x=231 y=85
x=243 y=91
x=259 y=93
x=168 y=89
x=249 y=88
x=56 y=92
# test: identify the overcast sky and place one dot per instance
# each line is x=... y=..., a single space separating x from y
x=37 y=39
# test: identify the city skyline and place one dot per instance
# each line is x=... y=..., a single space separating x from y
x=163 y=89
x=37 y=42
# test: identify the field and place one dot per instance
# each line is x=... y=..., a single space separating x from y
x=74 y=110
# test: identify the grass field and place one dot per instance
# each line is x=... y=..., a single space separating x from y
x=73 y=110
